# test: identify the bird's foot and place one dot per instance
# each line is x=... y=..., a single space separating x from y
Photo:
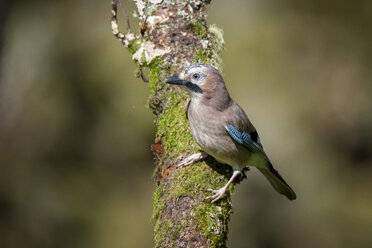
x=217 y=194
x=192 y=159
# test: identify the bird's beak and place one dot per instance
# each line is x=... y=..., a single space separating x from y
x=175 y=80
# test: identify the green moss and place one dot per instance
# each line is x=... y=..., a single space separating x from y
x=199 y=29
x=214 y=47
x=133 y=46
x=193 y=180
x=157 y=76
x=158 y=202
x=161 y=226
x=172 y=124
x=202 y=56
x=163 y=230
x=218 y=40
x=211 y=221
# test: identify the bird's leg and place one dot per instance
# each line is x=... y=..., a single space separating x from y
x=219 y=193
x=192 y=159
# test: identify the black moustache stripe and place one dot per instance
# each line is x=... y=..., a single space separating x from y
x=194 y=87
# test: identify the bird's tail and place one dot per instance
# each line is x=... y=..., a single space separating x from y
x=278 y=182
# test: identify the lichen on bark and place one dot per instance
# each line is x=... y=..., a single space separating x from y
x=174 y=34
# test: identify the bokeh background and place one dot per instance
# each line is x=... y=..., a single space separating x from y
x=75 y=135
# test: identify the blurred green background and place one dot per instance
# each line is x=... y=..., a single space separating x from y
x=75 y=159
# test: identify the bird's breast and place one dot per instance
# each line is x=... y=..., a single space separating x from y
x=208 y=129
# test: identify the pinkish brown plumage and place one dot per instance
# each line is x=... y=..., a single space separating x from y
x=221 y=127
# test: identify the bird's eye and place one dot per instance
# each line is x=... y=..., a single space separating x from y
x=196 y=76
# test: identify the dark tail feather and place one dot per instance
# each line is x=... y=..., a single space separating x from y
x=278 y=182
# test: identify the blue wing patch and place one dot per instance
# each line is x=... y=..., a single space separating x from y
x=237 y=136
x=246 y=140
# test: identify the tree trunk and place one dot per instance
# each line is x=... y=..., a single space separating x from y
x=173 y=35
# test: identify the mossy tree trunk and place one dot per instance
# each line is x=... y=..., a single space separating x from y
x=173 y=35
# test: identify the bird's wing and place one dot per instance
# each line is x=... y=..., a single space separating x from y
x=249 y=140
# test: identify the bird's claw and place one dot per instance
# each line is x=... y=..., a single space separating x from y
x=217 y=194
x=192 y=159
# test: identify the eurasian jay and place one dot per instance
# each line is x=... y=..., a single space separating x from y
x=222 y=129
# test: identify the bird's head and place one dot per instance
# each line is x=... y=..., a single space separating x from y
x=202 y=81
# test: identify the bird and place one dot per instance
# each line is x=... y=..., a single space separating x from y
x=222 y=129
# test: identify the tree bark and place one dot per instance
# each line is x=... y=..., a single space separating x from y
x=174 y=34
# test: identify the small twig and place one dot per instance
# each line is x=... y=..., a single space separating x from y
x=125 y=14
x=125 y=39
x=141 y=75
x=114 y=21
